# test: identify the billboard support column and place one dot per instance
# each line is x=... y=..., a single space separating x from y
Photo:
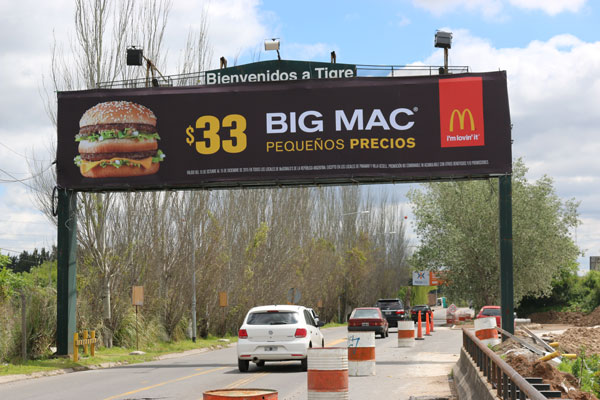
x=506 y=253
x=66 y=296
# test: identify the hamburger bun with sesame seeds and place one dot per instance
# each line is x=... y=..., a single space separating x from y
x=118 y=139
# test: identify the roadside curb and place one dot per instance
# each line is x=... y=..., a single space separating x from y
x=21 y=377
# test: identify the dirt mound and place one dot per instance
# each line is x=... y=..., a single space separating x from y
x=573 y=339
x=575 y=318
x=557 y=317
x=562 y=381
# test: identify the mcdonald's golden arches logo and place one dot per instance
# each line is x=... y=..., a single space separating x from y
x=461 y=119
x=461 y=112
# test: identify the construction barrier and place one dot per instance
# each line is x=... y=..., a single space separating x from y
x=427 y=325
x=361 y=353
x=406 y=334
x=240 y=394
x=485 y=330
x=84 y=342
x=419 y=328
x=327 y=373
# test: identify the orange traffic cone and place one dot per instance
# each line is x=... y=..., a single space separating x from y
x=427 y=328
x=419 y=330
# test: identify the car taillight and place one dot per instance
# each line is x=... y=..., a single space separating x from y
x=300 y=333
x=400 y=312
x=376 y=323
x=243 y=334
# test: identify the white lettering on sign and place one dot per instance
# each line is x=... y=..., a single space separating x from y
x=308 y=122
x=376 y=119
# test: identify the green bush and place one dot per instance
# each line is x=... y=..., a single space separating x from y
x=586 y=369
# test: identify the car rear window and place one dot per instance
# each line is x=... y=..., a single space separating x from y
x=365 y=314
x=491 y=312
x=273 y=318
x=389 y=304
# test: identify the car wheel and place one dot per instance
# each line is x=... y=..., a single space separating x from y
x=243 y=365
x=260 y=364
x=304 y=364
x=323 y=343
x=387 y=333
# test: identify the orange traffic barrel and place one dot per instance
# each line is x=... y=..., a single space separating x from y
x=361 y=353
x=240 y=394
x=406 y=334
x=485 y=330
x=327 y=373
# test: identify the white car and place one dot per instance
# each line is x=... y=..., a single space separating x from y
x=277 y=333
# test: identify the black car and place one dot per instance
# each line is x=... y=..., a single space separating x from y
x=392 y=310
x=414 y=313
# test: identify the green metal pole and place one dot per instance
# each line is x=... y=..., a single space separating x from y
x=506 y=254
x=66 y=291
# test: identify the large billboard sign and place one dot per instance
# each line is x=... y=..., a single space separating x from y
x=304 y=132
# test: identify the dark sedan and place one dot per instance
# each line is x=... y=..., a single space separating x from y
x=424 y=309
x=368 y=319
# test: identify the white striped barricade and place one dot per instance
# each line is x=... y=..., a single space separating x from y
x=361 y=353
x=485 y=330
x=406 y=334
x=327 y=373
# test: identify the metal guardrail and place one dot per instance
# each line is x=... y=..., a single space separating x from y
x=503 y=378
x=362 y=70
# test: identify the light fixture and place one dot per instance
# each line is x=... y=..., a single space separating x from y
x=333 y=57
x=223 y=62
x=135 y=57
x=273 y=44
x=443 y=40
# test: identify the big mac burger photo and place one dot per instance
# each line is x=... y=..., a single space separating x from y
x=118 y=139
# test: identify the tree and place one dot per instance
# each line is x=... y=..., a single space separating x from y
x=458 y=225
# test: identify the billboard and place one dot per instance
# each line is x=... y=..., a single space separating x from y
x=426 y=278
x=304 y=132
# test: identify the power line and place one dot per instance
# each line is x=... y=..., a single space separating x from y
x=25 y=222
x=22 y=181
x=22 y=155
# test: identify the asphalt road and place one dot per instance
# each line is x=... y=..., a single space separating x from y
x=401 y=372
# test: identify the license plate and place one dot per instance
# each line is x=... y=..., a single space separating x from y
x=270 y=348
x=365 y=324
x=387 y=312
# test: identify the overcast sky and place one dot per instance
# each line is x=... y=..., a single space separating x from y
x=549 y=48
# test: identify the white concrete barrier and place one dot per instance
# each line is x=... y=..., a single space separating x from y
x=361 y=353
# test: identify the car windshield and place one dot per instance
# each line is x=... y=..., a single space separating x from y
x=491 y=312
x=273 y=318
x=365 y=314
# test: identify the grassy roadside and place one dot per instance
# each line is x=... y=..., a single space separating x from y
x=116 y=355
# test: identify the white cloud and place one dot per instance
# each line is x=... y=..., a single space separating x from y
x=315 y=51
x=551 y=7
x=493 y=8
x=488 y=8
x=403 y=20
